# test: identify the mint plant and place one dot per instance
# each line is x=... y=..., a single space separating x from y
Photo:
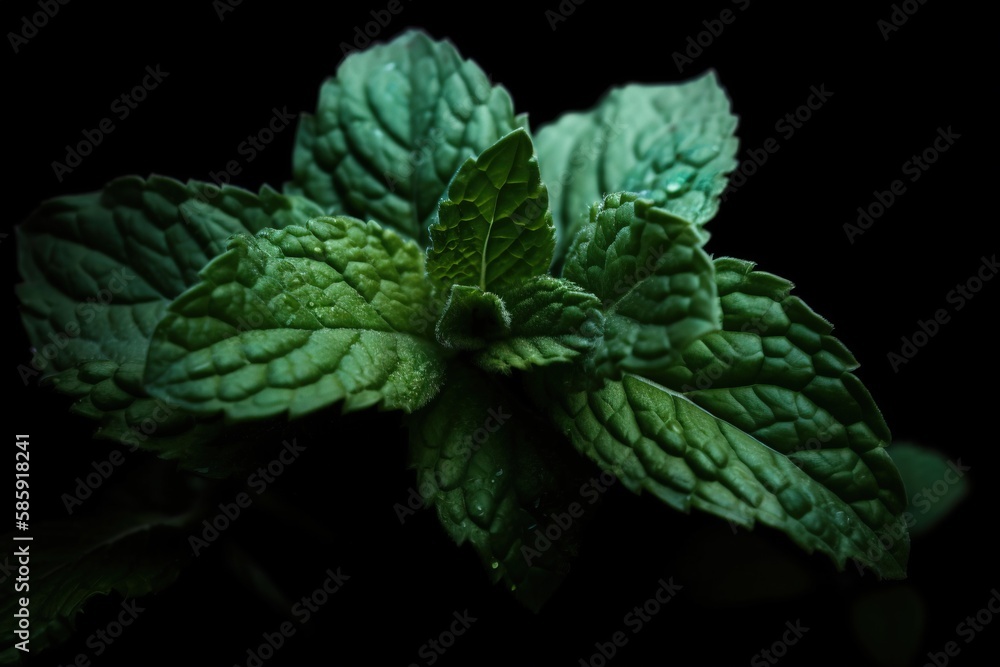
x=530 y=301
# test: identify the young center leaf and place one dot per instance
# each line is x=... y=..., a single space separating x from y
x=294 y=320
x=494 y=229
x=391 y=129
x=552 y=321
x=675 y=143
x=544 y=321
x=655 y=283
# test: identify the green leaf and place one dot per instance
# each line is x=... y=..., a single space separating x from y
x=657 y=440
x=133 y=547
x=776 y=372
x=551 y=321
x=294 y=320
x=393 y=127
x=544 y=321
x=494 y=228
x=935 y=484
x=675 y=141
x=496 y=473
x=100 y=268
x=656 y=284
x=472 y=319
x=113 y=395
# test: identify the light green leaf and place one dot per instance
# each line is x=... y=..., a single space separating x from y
x=656 y=284
x=496 y=474
x=776 y=372
x=551 y=321
x=675 y=143
x=494 y=228
x=393 y=127
x=294 y=320
x=656 y=440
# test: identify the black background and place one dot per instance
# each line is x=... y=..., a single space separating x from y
x=889 y=99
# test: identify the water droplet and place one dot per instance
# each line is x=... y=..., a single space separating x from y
x=513 y=587
x=495 y=564
x=312 y=304
x=480 y=504
x=317 y=250
x=673 y=187
x=499 y=472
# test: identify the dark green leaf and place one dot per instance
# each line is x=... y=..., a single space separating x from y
x=656 y=440
x=656 y=284
x=135 y=546
x=496 y=473
x=776 y=372
x=100 y=268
